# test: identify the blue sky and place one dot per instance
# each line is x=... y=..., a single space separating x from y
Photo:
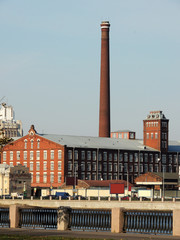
x=50 y=63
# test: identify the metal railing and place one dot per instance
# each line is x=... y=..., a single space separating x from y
x=93 y=220
x=38 y=218
x=4 y=217
x=152 y=222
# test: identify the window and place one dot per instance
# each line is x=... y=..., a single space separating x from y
x=156 y=168
x=31 y=166
x=156 y=135
x=83 y=166
x=115 y=156
x=25 y=164
x=135 y=168
x=94 y=155
x=76 y=155
x=11 y=164
x=136 y=157
x=163 y=158
x=11 y=155
x=25 y=155
x=88 y=166
x=105 y=156
x=38 y=155
x=151 y=158
x=31 y=144
x=31 y=155
x=38 y=166
x=93 y=176
x=110 y=167
x=25 y=143
x=145 y=157
x=125 y=135
x=45 y=178
x=110 y=156
x=45 y=154
x=151 y=135
x=120 y=135
x=18 y=155
x=120 y=157
x=175 y=159
x=141 y=168
x=145 y=168
x=45 y=166
x=59 y=154
x=99 y=176
x=4 y=156
x=104 y=167
x=59 y=165
x=170 y=158
x=156 y=158
x=69 y=166
x=52 y=177
x=147 y=135
x=52 y=166
x=37 y=177
x=104 y=176
x=150 y=168
x=38 y=143
x=125 y=157
x=88 y=155
x=130 y=168
x=59 y=177
x=130 y=157
x=109 y=176
x=52 y=154
x=82 y=155
x=120 y=167
x=93 y=166
x=88 y=176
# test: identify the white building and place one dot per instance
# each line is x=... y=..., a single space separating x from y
x=8 y=125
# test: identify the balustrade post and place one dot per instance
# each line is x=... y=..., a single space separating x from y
x=63 y=218
x=14 y=215
x=31 y=197
x=176 y=220
x=117 y=220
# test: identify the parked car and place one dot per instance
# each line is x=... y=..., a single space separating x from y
x=63 y=195
x=79 y=196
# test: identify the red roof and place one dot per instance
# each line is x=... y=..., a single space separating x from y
x=102 y=183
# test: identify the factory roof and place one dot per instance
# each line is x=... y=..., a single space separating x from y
x=97 y=142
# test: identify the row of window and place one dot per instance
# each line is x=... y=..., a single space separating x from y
x=32 y=155
x=31 y=143
x=126 y=157
x=152 y=124
x=45 y=168
x=45 y=177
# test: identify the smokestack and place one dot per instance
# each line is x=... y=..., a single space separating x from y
x=104 y=108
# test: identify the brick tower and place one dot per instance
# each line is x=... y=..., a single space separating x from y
x=156 y=131
x=104 y=108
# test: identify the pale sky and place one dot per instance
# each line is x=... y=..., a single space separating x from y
x=50 y=63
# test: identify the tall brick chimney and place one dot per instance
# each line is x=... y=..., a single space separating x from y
x=104 y=108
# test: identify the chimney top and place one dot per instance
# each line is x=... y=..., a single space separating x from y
x=105 y=24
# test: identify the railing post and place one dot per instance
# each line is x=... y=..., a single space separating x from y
x=63 y=218
x=176 y=220
x=14 y=216
x=117 y=220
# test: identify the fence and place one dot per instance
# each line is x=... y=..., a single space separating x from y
x=152 y=222
x=90 y=220
x=38 y=218
x=115 y=220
